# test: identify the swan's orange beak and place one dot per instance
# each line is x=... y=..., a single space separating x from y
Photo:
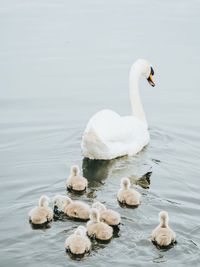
x=150 y=80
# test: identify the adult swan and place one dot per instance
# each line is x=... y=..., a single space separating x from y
x=109 y=135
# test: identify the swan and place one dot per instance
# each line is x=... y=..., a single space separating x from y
x=97 y=229
x=75 y=181
x=42 y=213
x=127 y=195
x=108 y=216
x=163 y=235
x=73 y=209
x=109 y=135
x=78 y=243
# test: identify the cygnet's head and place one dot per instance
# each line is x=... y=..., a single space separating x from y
x=43 y=201
x=75 y=170
x=94 y=215
x=125 y=183
x=81 y=230
x=163 y=217
x=143 y=67
x=99 y=206
x=60 y=201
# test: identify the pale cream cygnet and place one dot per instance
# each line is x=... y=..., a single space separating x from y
x=127 y=195
x=78 y=243
x=108 y=216
x=163 y=235
x=43 y=213
x=75 y=181
x=98 y=229
x=73 y=209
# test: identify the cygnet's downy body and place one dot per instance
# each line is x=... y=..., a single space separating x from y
x=41 y=214
x=127 y=195
x=108 y=216
x=78 y=243
x=97 y=229
x=73 y=209
x=163 y=235
x=76 y=182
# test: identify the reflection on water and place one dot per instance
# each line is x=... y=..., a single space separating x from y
x=143 y=181
x=96 y=171
x=163 y=249
x=43 y=226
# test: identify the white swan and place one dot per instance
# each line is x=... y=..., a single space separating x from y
x=108 y=135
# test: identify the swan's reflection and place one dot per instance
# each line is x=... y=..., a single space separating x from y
x=97 y=171
x=144 y=181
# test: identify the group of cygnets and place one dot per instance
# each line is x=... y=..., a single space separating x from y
x=101 y=221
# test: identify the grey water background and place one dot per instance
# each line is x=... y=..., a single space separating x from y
x=62 y=61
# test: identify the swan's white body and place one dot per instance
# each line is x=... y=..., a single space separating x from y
x=109 y=135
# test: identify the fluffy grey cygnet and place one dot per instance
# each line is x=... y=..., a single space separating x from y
x=78 y=243
x=98 y=229
x=75 y=181
x=108 y=216
x=41 y=214
x=127 y=195
x=163 y=235
x=73 y=209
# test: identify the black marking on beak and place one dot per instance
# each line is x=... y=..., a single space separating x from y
x=152 y=71
x=150 y=78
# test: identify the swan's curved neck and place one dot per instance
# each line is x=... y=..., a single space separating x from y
x=137 y=107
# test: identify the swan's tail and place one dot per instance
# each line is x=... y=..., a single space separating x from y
x=125 y=183
x=92 y=146
x=164 y=218
x=74 y=170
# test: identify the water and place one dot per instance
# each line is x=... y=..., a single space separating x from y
x=60 y=62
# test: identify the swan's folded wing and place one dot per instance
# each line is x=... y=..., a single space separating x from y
x=110 y=127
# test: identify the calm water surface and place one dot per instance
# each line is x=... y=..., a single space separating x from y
x=60 y=62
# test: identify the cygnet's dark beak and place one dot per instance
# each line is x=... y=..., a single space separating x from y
x=150 y=78
x=55 y=209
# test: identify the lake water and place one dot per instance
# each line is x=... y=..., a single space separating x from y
x=60 y=62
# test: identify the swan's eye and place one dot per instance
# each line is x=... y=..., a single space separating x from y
x=152 y=71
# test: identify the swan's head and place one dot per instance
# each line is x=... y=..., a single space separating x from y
x=143 y=67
